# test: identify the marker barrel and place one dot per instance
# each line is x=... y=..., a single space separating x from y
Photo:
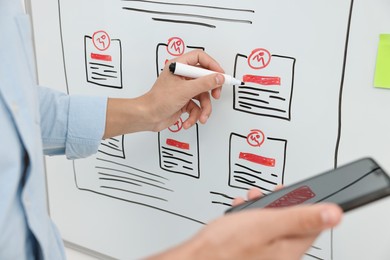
x=196 y=72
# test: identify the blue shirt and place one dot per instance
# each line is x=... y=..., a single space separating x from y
x=34 y=121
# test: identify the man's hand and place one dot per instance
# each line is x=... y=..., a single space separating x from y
x=284 y=233
x=167 y=100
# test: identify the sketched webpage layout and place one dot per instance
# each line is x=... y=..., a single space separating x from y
x=279 y=127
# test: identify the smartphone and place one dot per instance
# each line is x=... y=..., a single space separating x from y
x=350 y=186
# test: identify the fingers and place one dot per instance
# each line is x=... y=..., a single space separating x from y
x=306 y=219
x=197 y=113
x=199 y=57
x=212 y=82
x=254 y=193
x=194 y=113
x=206 y=108
x=204 y=84
x=292 y=247
x=216 y=93
x=278 y=187
x=237 y=201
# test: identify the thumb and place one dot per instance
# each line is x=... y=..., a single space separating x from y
x=306 y=219
x=205 y=83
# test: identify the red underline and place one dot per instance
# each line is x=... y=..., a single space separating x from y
x=181 y=145
x=270 y=162
x=96 y=56
x=261 y=80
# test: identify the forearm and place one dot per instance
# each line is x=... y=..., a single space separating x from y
x=192 y=249
x=127 y=116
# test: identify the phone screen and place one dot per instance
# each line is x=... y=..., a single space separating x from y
x=349 y=186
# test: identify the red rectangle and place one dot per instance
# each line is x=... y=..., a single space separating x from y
x=294 y=197
x=270 y=162
x=181 y=145
x=102 y=57
x=261 y=80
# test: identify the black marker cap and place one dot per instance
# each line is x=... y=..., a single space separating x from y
x=172 y=67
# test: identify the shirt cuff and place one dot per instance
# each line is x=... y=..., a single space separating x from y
x=86 y=125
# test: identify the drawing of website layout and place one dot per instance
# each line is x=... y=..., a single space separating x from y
x=103 y=60
x=256 y=160
x=110 y=174
x=192 y=13
x=174 y=47
x=269 y=81
x=118 y=48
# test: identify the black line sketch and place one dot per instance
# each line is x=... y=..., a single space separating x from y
x=173 y=48
x=114 y=177
x=196 y=12
x=256 y=160
x=221 y=198
x=103 y=60
x=269 y=84
x=119 y=181
x=114 y=146
x=179 y=150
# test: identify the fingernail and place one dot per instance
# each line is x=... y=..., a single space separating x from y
x=329 y=216
x=219 y=79
x=204 y=119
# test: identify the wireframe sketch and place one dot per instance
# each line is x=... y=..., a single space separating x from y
x=174 y=47
x=189 y=14
x=114 y=178
x=173 y=174
x=256 y=160
x=269 y=82
x=114 y=146
x=103 y=60
x=179 y=149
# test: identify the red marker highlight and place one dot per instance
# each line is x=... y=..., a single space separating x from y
x=102 y=57
x=262 y=80
x=270 y=162
x=294 y=197
x=181 y=145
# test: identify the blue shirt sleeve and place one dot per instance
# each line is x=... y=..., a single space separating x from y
x=71 y=124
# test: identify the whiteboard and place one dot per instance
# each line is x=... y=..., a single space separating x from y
x=140 y=194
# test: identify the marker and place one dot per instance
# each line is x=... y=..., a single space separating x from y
x=196 y=72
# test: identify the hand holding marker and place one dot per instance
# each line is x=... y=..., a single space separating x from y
x=196 y=72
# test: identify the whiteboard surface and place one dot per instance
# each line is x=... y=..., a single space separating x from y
x=306 y=41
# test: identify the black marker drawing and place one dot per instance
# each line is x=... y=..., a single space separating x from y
x=167 y=51
x=220 y=198
x=112 y=173
x=113 y=147
x=269 y=84
x=256 y=161
x=179 y=150
x=180 y=13
x=103 y=60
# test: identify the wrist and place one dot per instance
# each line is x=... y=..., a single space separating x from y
x=127 y=116
x=192 y=249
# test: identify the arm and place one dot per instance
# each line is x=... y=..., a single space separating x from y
x=284 y=233
x=169 y=97
x=71 y=125
x=74 y=125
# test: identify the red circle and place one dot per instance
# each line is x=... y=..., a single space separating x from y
x=176 y=127
x=101 y=40
x=176 y=46
x=255 y=138
x=259 y=58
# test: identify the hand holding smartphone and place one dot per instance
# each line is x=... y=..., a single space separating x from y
x=350 y=186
